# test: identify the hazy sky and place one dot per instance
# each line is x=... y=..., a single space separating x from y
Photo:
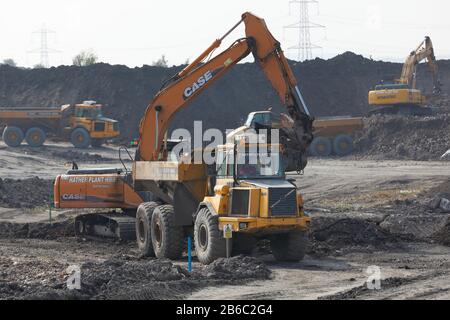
x=137 y=32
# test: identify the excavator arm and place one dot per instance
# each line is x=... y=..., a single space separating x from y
x=199 y=75
x=424 y=51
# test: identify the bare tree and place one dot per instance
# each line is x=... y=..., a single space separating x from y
x=85 y=58
x=161 y=62
x=9 y=62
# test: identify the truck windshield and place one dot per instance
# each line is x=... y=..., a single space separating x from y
x=259 y=166
x=90 y=113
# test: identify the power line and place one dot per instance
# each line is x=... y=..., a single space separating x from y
x=304 y=46
x=44 y=51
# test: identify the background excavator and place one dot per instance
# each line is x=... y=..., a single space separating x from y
x=402 y=96
x=180 y=197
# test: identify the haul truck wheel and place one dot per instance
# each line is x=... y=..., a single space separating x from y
x=289 y=246
x=143 y=228
x=243 y=243
x=343 y=145
x=167 y=238
x=97 y=143
x=35 y=137
x=321 y=147
x=13 y=136
x=209 y=241
x=80 y=138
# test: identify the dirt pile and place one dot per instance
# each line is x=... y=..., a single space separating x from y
x=397 y=137
x=360 y=291
x=37 y=230
x=126 y=277
x=332 y=235
x=72 y=155
x=337 y=86
x=237 y=268
x=28 y=193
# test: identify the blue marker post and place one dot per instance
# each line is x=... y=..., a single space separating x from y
x=189 y=254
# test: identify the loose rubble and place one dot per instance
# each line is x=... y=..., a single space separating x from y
x=27 y=193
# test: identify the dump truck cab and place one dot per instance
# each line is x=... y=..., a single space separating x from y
x=87 y=125
x=252 y=192
x=253 y=199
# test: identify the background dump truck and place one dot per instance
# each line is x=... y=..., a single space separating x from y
x=334 y=135
x=81 y=124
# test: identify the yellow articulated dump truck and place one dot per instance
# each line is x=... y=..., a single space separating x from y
x=81 y=124
x=334 y=136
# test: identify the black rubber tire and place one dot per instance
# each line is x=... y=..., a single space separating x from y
x=97 y=143
x=343 y=145
x=13 y=136
x=143 y=228
x=209 y=241
x=243 y=243
x=35 y=137
x=80 y=138
x=321 y=147
x=289 y=246
x=167 y=238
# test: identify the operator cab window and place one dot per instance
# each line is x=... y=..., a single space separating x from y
x=225 y=164
x=221 y=164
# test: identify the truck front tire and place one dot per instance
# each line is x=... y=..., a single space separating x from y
x=143 y=228
x=13 y=136
x=35 y=137
x=209 y=241
x=80 y=138
x=343 y=145
x=289 y=247
x=167 y=237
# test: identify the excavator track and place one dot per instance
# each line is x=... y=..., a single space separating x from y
x=106 y=225
x=407 y=110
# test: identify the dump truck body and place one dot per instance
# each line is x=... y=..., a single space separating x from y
x=332 y=135
x=82 y=124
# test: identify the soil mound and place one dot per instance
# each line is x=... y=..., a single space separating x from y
x=337 y=86
x=38 y=230
x=399 y=137
x=28 y=193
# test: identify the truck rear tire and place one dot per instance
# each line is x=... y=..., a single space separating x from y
x=80 y=138
x=321 y=147
x=289 y=246
x=167 y=238
x=209 y=241
x=97 y=143
x=343 y=145
x=35 y=137
x=143 y=228
x=13 y=136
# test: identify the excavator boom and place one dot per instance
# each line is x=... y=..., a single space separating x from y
x=424 y=51
x=199 y=75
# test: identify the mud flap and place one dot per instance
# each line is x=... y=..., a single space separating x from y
x=185 y=206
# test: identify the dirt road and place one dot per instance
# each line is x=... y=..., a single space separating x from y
x=365 y=213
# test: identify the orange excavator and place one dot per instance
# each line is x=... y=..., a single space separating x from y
x=181 y=197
